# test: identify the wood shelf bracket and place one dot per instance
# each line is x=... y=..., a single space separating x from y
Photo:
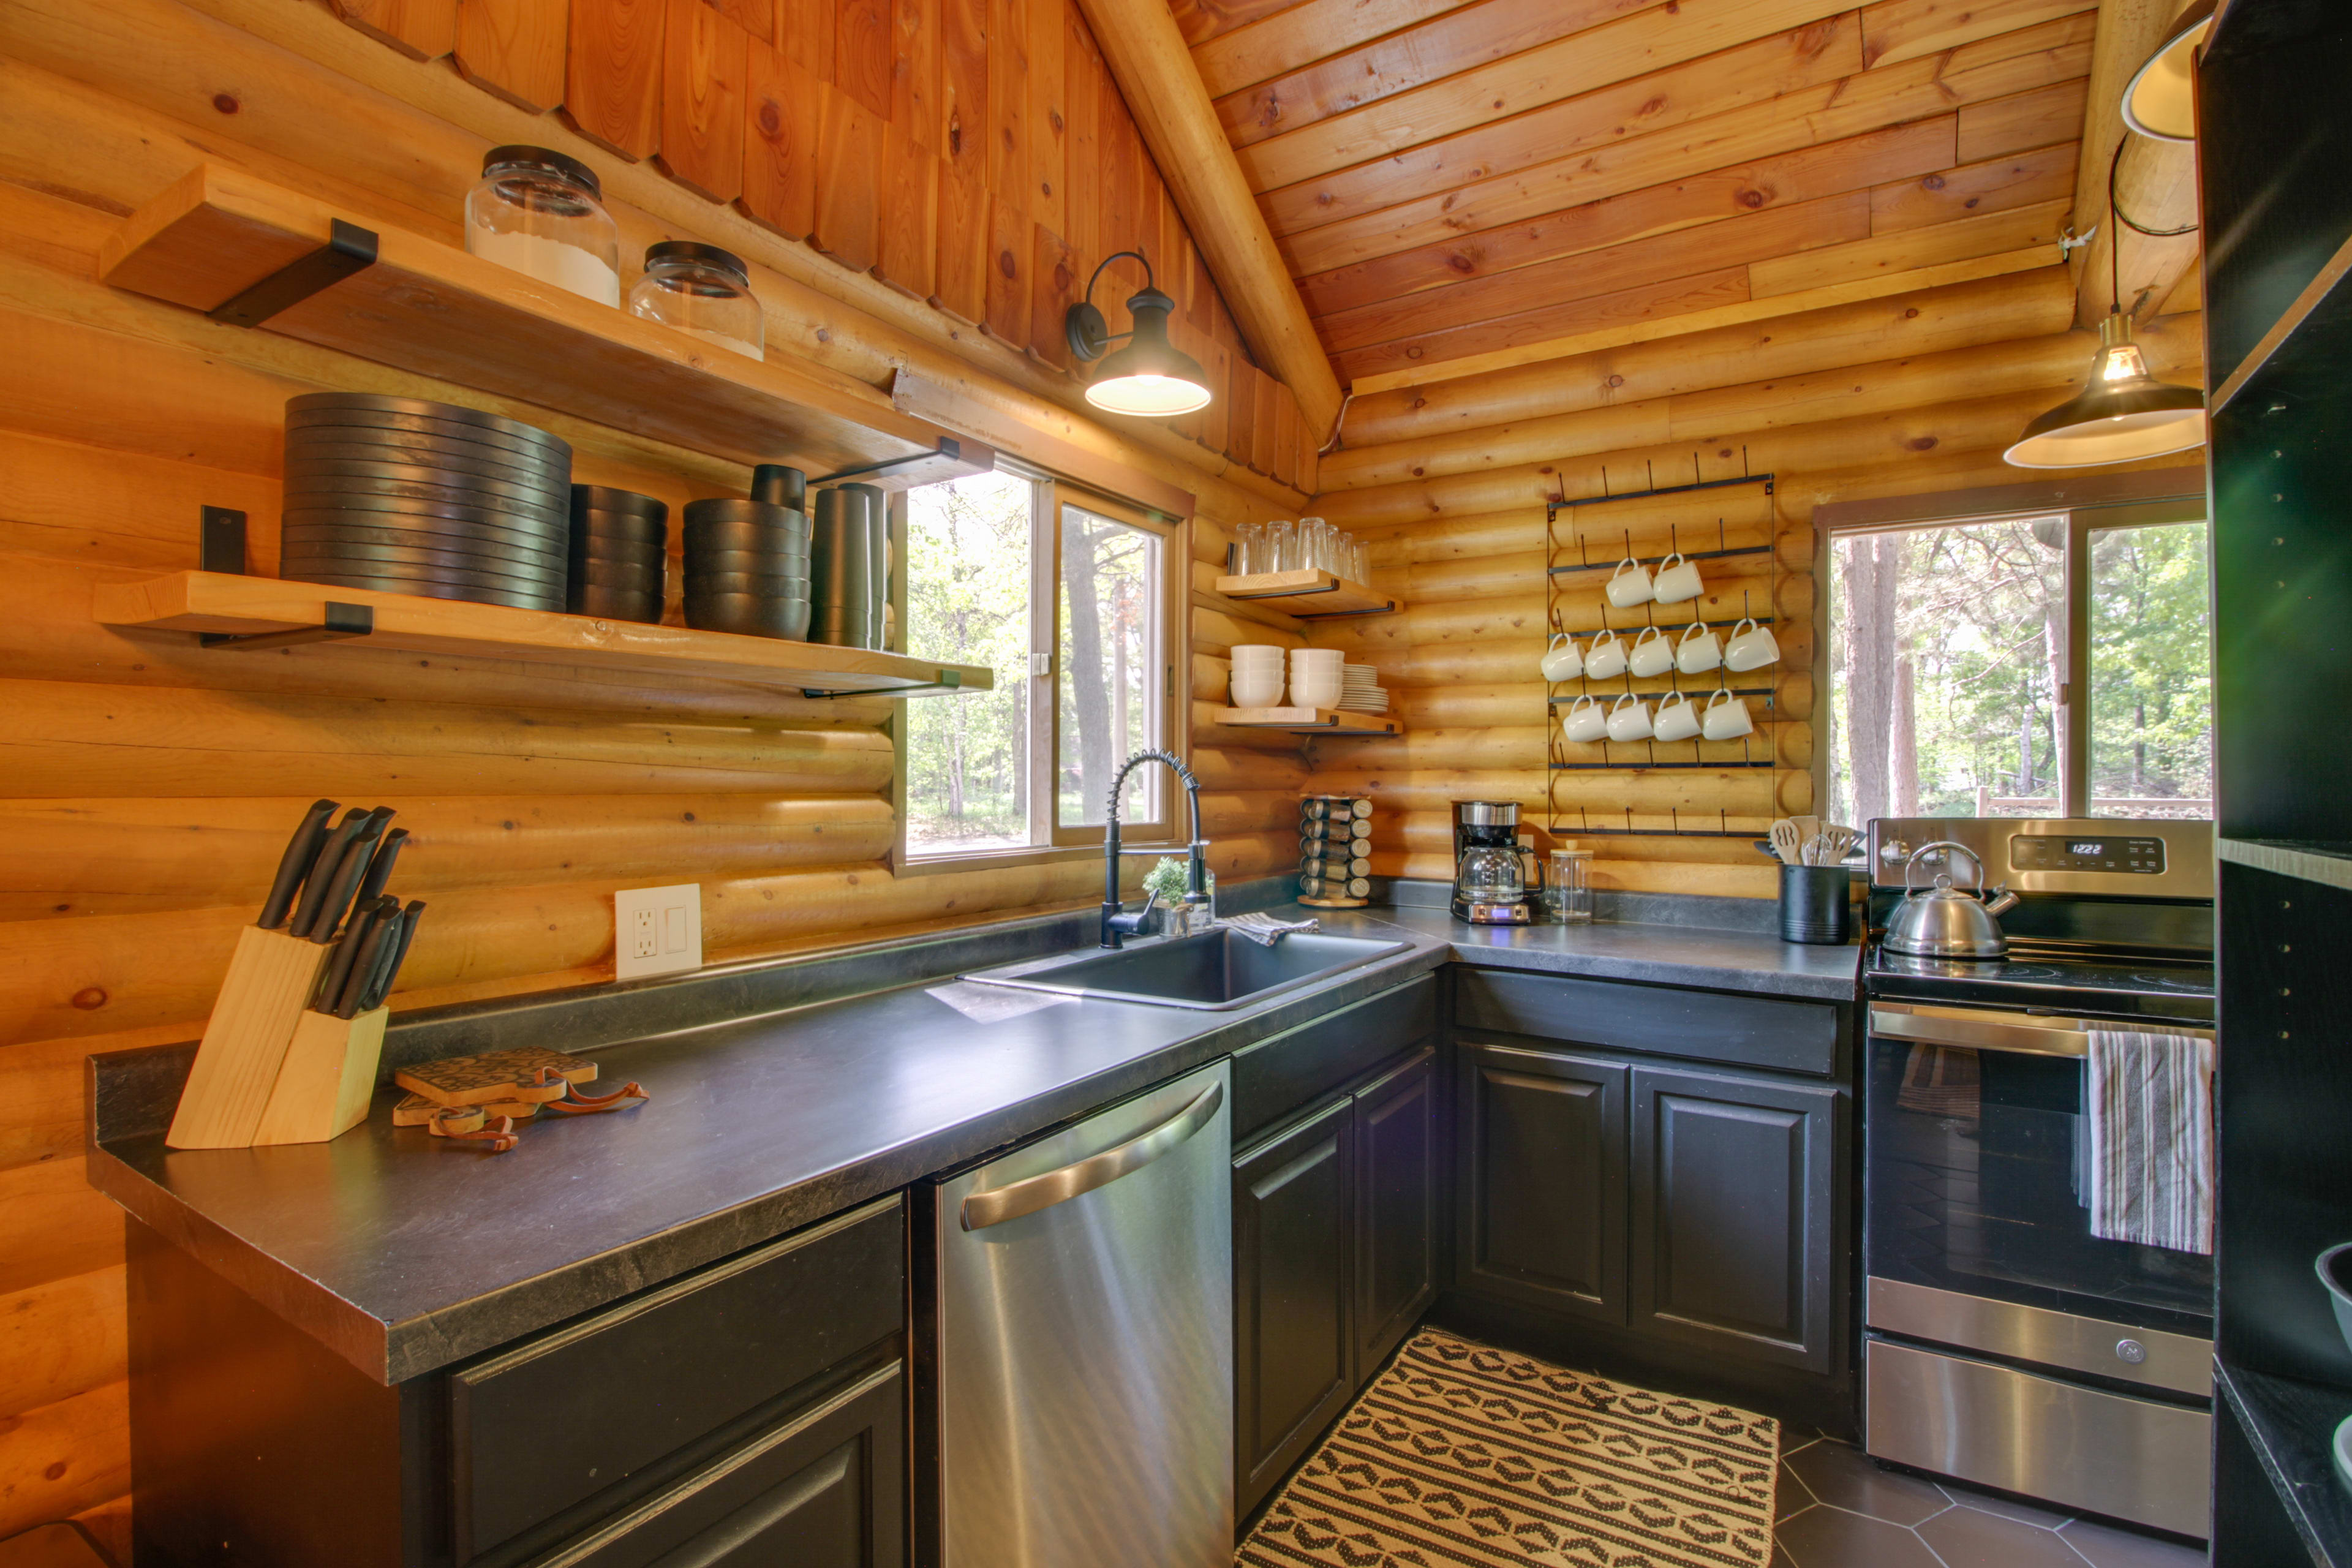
x=349 y=248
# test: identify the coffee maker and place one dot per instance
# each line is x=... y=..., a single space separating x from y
x=1494 y=883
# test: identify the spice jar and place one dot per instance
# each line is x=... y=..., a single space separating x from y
x=701 y=290
x=543 y=214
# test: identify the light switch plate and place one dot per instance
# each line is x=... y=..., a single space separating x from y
x=657 y=930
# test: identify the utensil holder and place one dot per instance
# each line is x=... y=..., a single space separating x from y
x=328 y=1080
x=1816 y=905
x=270 y=979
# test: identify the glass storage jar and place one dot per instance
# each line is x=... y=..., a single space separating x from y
x=701 y=290
x=1568 y=896
x=543 y=214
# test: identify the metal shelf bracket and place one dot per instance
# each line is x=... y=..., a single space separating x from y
x=340 y=622
x=349 y=248
x=948 y=680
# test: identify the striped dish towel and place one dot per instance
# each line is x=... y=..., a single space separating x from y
x=2150 y=1099
x=1265 y=930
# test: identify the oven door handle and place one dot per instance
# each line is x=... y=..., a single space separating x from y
x=2031 y=1033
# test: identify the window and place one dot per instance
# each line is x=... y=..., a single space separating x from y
x=1952 y=651
x=1065 y=595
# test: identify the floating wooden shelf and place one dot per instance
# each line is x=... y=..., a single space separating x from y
x=2328 y=862
x=1308 y=594
x=431 y=308
x=274 y=608
x=1311 y=720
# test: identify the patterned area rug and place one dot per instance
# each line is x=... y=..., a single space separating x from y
x=1463 y=1454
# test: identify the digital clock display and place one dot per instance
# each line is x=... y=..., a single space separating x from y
x=2089 y=846
x=2132 y=856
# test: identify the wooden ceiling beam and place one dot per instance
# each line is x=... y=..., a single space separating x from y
x=1154 y=70
x=2156 y=183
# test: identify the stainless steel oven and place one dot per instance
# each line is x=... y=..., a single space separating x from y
x=2006 y=1344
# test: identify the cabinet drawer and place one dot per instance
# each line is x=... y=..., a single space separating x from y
x=544 y=1425
x=1277 y=1077
x=1704 y=1026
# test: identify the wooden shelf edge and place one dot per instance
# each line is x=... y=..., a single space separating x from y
x=1310 y=721
x=2291 y=1427
x=197 y=602
x=2290 y=322
x=1311 y=594
x=2290 y=859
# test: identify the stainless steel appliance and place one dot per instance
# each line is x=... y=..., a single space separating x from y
x=1075 y=1343
x=1495 y=883
x=1941 y=921
x=2006 y=1344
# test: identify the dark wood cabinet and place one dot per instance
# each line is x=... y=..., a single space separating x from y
x=1734 y=1214
x=1542 y=1183
x=1294 y=1309
x=1396 y=1206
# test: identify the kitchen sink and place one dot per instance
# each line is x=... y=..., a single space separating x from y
x=1213 y=971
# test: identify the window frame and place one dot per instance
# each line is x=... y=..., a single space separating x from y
x=1049 y=840
x=2082 y=520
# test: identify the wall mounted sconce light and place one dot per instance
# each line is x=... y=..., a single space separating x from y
x=1151 y=377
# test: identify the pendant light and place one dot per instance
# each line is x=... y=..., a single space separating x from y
x=2162 y=101
x=2122 y=414
x=1151 y=377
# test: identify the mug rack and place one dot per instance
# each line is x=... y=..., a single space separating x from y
x=1568 y=554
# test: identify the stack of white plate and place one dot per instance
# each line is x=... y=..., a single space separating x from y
x=1257 y=678
x=1315 y=676
x=1361 y=690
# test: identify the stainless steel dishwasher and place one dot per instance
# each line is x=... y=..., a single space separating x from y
x=1075 y=1343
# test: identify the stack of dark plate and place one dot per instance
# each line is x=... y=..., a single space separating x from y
x=747 y=562
x=409 y=496
x=619 y=544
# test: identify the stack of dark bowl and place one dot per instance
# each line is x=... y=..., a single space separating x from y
x=852 y=565
x=747 y=562
x=619 y=545
x=409 y=496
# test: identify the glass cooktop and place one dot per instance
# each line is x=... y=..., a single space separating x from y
x=2108 y=985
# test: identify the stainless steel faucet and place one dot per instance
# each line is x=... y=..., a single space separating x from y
x=1117 y=924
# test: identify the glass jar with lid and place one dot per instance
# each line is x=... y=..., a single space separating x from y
x=543 y=214
x=701 y=290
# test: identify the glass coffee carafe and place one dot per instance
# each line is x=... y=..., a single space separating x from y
x=1491 y=873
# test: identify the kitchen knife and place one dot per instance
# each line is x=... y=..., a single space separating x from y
x=300 y=850
x=337 y=971
x=346 y=878
x=323 y=870
x=394 y=952
x=383 y=925
x=379 y=870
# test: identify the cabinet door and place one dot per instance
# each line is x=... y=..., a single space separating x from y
x=1541 y=1146
x=1294 y=1330
x=1396 y=1206
x=826 y=1488
x=1734 y=1214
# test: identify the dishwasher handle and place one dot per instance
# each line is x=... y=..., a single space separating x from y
x=1027 y=1196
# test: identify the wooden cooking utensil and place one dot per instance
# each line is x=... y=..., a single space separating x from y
x=1788 y=842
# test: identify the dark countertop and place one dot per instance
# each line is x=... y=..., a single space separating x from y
x=404 y=1256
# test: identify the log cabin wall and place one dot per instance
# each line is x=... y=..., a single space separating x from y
x=149 y=784
x=1910 y=395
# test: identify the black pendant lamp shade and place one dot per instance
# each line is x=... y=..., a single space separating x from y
x=2162 y=101
x=2122 y=414
x=1149 y=376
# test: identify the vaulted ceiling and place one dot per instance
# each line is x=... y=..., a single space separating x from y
x=1458 y=184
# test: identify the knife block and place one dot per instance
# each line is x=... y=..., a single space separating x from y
x=329 y=1077
x=270 y=979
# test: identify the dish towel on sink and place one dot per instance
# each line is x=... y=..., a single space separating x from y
x=1266 y=930
x=2150 y=1103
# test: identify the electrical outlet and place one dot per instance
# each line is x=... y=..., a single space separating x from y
x=657 y=930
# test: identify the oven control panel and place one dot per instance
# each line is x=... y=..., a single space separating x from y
x=2129 y=855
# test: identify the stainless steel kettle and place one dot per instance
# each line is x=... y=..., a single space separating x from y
x=1941 y=921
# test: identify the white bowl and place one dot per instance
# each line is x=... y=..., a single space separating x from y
x=1310 y=692
x=1257 y=691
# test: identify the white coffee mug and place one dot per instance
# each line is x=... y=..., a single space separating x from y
x=1751 y=649
x=1652 y=654
x=1629 y=723
x=1586 y=721
x=1563 y=660
x=1630 y=585
x=1605 y=660
x=1677 y=719
x=1699 y=650
x=1677 y=580
x=1727 y=717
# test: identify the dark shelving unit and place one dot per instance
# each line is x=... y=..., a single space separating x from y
x=2275 y=144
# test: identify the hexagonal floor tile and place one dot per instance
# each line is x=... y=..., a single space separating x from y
x=1832 y=1538
x=1844 y=1478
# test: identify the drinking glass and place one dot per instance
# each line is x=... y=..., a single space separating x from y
x=1360 y=560
x=1249 y=554
x=1314 y=543
x=1281 y=546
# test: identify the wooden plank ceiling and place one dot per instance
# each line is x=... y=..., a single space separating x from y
x=1495 y=181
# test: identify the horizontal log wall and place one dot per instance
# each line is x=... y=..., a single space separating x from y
x=151 y=783
x=1910 y=395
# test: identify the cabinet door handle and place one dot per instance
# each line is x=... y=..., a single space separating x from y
x=982 y=1210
